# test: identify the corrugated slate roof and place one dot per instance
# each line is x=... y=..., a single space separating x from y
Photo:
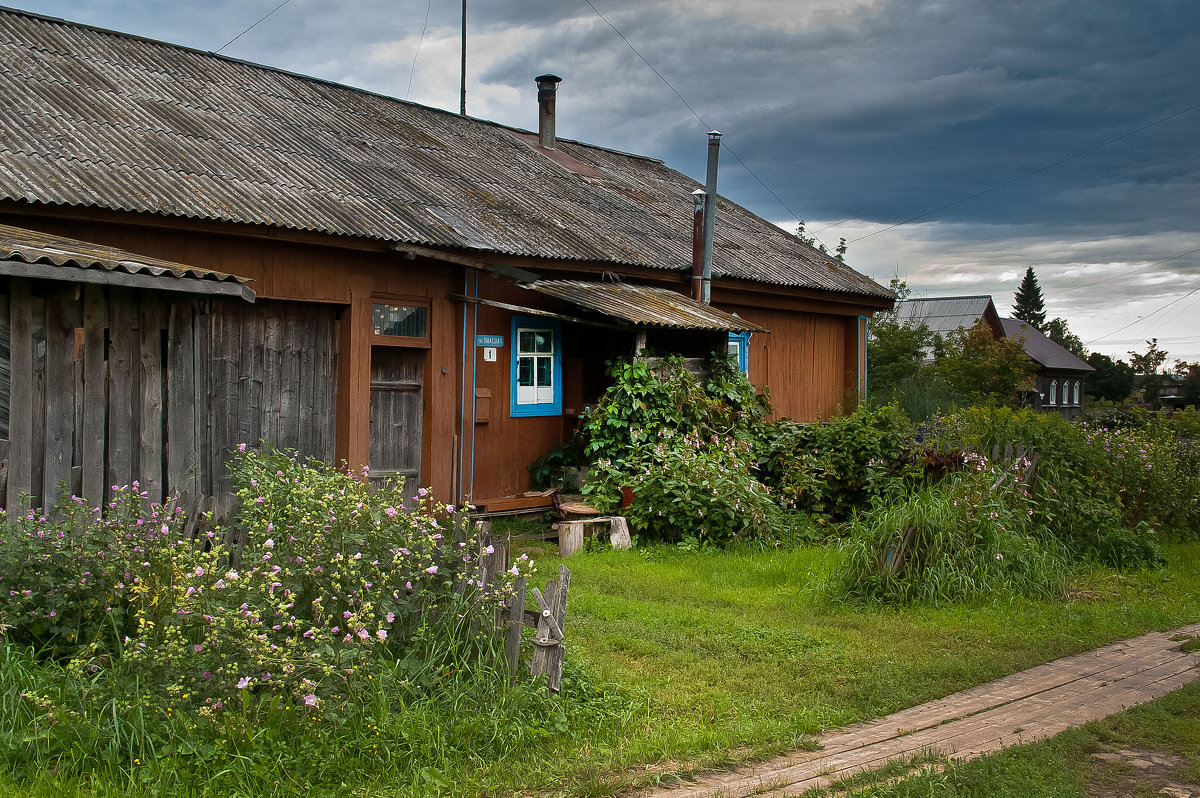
x=32 y=248
x=643 y=305
x=1046 y=352
x=102 y=119
x=946 y=314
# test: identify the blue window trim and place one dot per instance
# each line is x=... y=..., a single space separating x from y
x=743 y=340
x=545 y=408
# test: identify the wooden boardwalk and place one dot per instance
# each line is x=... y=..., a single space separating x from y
x=1026 y=706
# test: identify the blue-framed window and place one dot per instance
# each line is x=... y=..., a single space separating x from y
x=739 y=350
x=1053 y=392
x=536 y=377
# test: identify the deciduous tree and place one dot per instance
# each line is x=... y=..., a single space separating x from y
x=990 y=371
x=1112 y=380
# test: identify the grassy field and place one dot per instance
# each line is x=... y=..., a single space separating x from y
x=683 y=661
x=738 y=655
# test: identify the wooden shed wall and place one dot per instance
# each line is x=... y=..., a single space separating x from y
x=108 y=385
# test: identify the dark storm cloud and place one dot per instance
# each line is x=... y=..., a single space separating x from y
x=872 y=111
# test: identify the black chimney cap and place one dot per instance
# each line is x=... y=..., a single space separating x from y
x=548 y=79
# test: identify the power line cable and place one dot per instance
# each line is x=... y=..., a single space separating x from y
x=1143 y=318
x=420 y=43
x=1128 y=274
x=707 y=126
x=252 y=27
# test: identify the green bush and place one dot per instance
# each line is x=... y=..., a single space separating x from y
x=833 y=468
x=1155 y=472
x=971 y=535
x=688 y=487
x=686 y=450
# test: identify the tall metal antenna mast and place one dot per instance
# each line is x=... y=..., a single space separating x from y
x=462 y=94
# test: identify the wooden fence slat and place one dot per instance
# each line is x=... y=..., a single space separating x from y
x=20 y=403
x=122 y=335
x=21 y=395
x=307 y=422
x=267 y=380
x=150 y=422
x=37 y=420
x=181 y=407
x=292 y=340
x=516 y=622
x=59 y=412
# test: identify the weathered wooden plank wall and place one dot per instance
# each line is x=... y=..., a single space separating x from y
x=105 y=386
x=251 y=366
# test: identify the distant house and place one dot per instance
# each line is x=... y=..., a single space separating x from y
x=944 y=315
x=1061 y=375
x=434 y=296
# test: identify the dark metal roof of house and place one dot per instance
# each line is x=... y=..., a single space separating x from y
x=946 y=314
x=102 y=119
x=28 y=253
x=1047 y=353
x=643 y=305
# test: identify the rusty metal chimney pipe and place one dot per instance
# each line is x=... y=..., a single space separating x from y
x=710 y=214
x=547 y=89
x=697 y=243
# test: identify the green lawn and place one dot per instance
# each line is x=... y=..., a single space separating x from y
x=681 y=661
x=735 y=655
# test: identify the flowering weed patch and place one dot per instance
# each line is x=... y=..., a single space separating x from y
x=301 y=639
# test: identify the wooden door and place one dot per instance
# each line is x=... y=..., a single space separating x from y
x=397 y=399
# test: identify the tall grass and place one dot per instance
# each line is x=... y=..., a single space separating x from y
x=967 y=537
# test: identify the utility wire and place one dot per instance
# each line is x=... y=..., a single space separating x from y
x=420 y=42
x=252 y=27
x=707 y=126
x=1143 y=318
x=1129 y=274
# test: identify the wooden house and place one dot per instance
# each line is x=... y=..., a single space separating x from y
x=1060 y=376
x=434 y=295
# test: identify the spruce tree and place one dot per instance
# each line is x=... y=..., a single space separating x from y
x=1029 y=306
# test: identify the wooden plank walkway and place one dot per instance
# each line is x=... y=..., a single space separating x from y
x=1021 y=708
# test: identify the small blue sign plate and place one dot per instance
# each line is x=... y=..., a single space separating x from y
x=489 y=340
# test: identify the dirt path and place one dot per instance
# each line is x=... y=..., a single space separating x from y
x=1027 y=706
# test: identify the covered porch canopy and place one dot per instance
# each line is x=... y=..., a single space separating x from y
x=627 y=306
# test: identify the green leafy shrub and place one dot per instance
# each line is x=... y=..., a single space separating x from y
x=832 y=468
x=688 y=487
x=686 y=450
x=971 y=535
x=1156 y=474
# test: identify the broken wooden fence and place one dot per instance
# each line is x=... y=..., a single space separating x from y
x=548 y=620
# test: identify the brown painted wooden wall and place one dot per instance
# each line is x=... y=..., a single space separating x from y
x=808 y=361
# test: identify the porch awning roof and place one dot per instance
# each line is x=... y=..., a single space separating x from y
x=30 y=253
x=643 y=305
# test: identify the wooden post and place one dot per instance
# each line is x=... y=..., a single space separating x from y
x=516 y=622
x=548 y=641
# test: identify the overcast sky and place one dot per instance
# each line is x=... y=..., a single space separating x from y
x=953 y=143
